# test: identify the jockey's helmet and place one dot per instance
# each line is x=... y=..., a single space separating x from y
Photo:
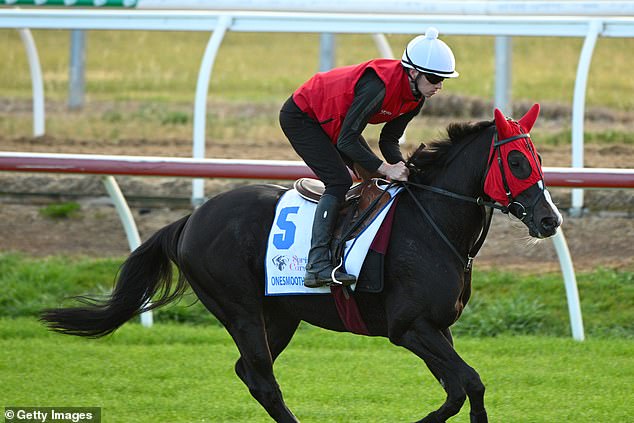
x=426 y=53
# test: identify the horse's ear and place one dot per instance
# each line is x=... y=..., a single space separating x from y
x=503 y=127
x=528 y=120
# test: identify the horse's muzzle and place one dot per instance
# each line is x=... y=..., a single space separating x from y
x=548 y=227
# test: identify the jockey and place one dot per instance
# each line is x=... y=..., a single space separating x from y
x=324 y=119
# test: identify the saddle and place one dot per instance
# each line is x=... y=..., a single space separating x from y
x=362 y=203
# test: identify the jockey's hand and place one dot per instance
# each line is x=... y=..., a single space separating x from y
x=394 y=172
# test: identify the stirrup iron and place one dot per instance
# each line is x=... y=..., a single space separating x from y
x=335 y=282
x=333 y=276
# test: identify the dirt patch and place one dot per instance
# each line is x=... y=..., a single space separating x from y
x=600 y=238
x=593 y=240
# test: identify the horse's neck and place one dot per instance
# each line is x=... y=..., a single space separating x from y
x=464 y=173
x=460 y=219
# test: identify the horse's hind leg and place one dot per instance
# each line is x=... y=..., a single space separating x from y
x=247 y=328
x=280 y=328
x=476 y=396
x=457 y=378
x=258 y=347
x=255 y=366
x=257 y=370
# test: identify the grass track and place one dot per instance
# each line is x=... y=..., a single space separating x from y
x=185 y=374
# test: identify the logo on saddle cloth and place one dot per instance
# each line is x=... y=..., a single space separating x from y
x=289 y=238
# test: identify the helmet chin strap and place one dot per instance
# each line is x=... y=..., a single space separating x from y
x=414 y=83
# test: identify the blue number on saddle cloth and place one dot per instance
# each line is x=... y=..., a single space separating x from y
x=284 y=240
x=289 y=243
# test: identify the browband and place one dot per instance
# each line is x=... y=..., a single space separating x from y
x=497 y=143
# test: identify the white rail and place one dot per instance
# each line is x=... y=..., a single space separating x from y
x=588 y=28
x=277 y=170
x=361 y=23
x=435 y=7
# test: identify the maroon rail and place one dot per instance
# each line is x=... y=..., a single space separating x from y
x=252 y=169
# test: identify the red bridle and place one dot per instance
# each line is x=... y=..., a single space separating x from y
x=501 y=184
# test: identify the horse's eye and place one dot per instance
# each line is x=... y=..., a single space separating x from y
x=519 y=165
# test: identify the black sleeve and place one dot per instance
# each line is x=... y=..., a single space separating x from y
x=392 y=131
x=369 y=93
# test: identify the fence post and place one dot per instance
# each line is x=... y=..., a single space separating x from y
x=76 y=71
x=37 y=82
x=129 y=226
x=200 y=104
x=503 y=72
x=570 y=282
x=327 y=47
x=578 y=108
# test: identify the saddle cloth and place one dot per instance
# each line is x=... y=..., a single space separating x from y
x=289 y=243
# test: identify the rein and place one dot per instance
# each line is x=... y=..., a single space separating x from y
x=479 y=201
x=486 y=220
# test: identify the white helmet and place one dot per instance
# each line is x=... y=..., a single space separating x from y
x=426 y=53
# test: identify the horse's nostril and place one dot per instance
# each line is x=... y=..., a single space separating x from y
x=549 y=224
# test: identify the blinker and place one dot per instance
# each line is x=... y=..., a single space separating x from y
x=501 y=184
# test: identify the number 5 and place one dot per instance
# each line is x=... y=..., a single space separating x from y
x=285 y=240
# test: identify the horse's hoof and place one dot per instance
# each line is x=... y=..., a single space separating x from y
x=431 y=418
x=479 y=417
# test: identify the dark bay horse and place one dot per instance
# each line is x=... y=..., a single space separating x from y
x=219 y=250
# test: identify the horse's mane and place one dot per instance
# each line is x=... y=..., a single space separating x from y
x=437 y=152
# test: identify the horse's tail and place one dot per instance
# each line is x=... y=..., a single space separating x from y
x=144 y=282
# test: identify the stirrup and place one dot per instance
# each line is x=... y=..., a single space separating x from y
x=334 y=281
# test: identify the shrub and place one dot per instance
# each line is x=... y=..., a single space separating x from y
x=60 y=210
x=517 y=315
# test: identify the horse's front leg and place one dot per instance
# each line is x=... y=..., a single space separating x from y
x=458 y=379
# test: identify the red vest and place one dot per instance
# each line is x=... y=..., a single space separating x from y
x=327 y=96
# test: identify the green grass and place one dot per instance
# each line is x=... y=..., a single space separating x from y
x=564 y=137
x=503 y=303
x=163 y=66
x=60 y=210
x=141 y=85
x=514 y=332
x=176 y=373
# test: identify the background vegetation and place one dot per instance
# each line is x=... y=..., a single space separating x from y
x=141 y=84
x=163 y=66
x=504 y=303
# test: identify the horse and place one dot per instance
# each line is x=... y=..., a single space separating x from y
x=219 y=251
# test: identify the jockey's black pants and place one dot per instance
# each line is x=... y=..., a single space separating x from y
x=314 y=146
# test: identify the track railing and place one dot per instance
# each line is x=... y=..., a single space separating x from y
x=279 y=170
x=490 y=22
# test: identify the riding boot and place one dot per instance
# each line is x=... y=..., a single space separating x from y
x=319 y=268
